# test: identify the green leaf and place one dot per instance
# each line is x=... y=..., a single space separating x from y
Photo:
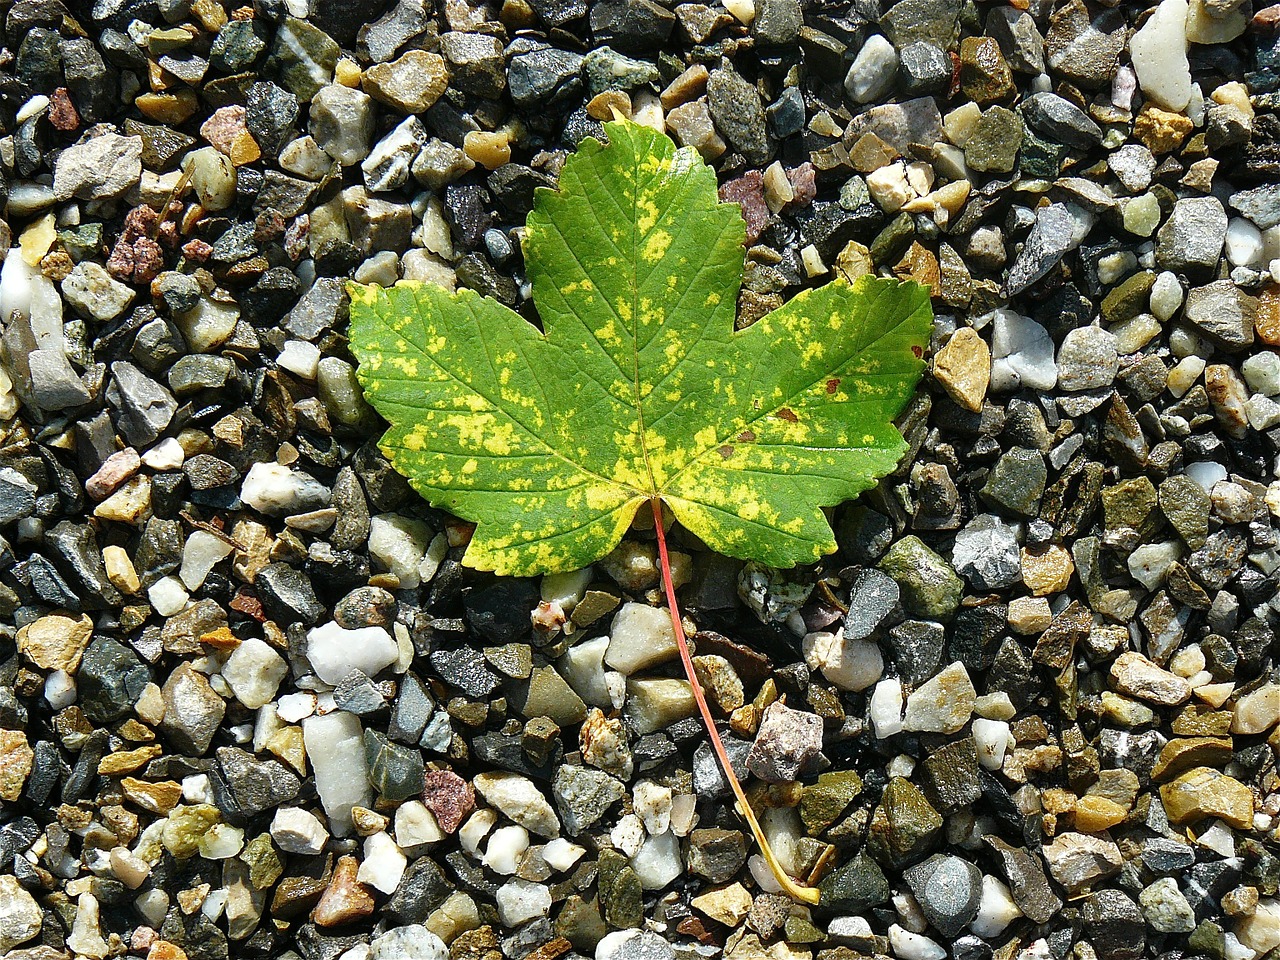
x=639 y=388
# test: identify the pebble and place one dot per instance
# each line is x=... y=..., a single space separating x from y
x=335 y=746
x=942 y=705
x=519 y=799
x=873 y=70
x=963 y=367
x=334 y=652
x=1159 y=51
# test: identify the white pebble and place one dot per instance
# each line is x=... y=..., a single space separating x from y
x=913 y=946
x=275 y=489
x=873 y=70
x=398 y=544
x=165 y=455
x=1022 y=354
x=221 y=842
x=652 y=804
x=384 y=863
x=658 y=861
x=639 y=637
x=1166 y=295
x=1159 y=53
x=200 y=554
x=627 y=835
x=886 y=708
x=1244 y=244
x=335 y=652
x=520 y=800
x=299 y=831
x=1206 y=473
x=520 y=901
x=1262 y=373
x=561 y=854
x=335 y=747
x=475 y=828
x=506 y=849
x=300 y=357
x=60 y=689
x=993 y=739
x=996 y=909
x=293 y=707
x=416 y=827
x=582 y=667
x=1148 y=563
x=167 y=596
x=943 y=704
x=849 y=664
x=254 y=671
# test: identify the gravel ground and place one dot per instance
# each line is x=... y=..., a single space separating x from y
x=251 y=704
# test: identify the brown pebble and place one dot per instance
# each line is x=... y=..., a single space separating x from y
x=345 y=899
x=62 y=112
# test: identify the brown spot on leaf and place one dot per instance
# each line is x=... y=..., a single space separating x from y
x=833 y=385
x=789 y=415
x=726 y=451
x=746 y=436
x=917 y=350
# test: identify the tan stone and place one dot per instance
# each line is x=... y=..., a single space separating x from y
x=1046 y=569
x=1095 y=814
x=1267 y=322
x=963 y=368
x=345 y=899
x=1183 y=753
x=728 y=905
x=16 y=759
x=158 y=798
x=1161 y=131
x=55 y=642
x=127 y=761
x=1205 y=792
x=1134 y=674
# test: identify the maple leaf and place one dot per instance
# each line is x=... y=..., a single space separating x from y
x=638 y=388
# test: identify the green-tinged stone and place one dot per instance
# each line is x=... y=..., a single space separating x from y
x=396 y=771
x=1182 y=753
x=891 y=242
x=594 y=605
x=1131 y=503
x=799 y=930
x=930 y=588
x=185 y=826
x=580 y=923
x=548 y=695
x=1186 y=506
x=82 y=242
x=620 y=891
x=606 y=69
x=515 y=660
x=853 y=888
x=264 y=863
x=1017 y=481
x=1128 y=299
x=904 y=825
x=304 y=57
x=822 y=803
x=1041 y=158
x=1208 y=939
x=1201 y=720
x=994 y=144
